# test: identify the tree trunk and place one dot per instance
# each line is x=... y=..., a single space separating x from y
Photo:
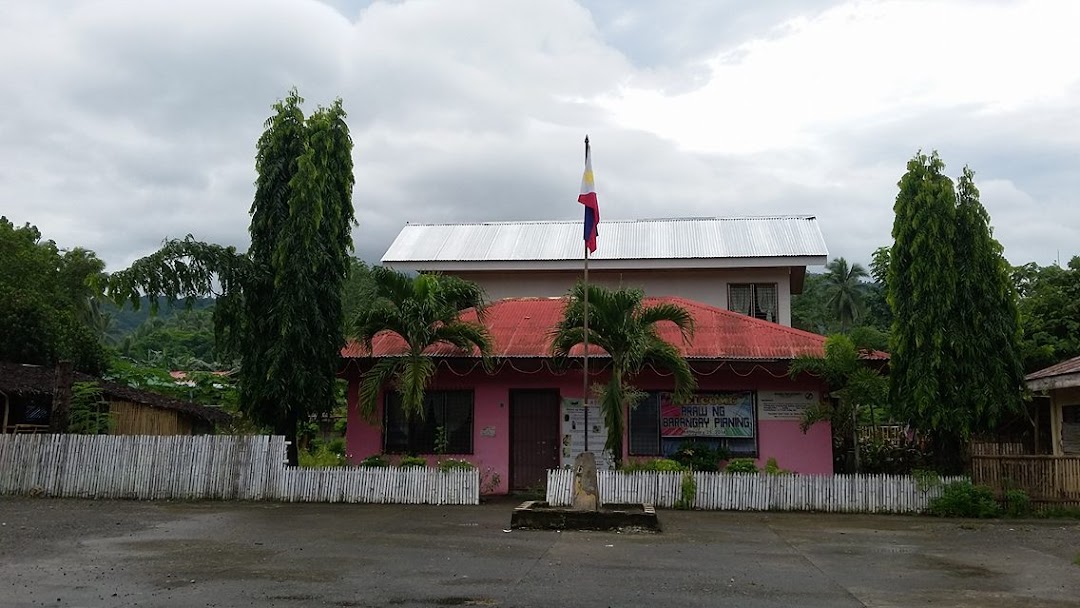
x=61 y=405
x=287 y=427
x=948 y=454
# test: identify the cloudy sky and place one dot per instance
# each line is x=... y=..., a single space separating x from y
x=124 y=123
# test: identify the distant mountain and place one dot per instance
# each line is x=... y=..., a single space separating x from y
x=126 y=320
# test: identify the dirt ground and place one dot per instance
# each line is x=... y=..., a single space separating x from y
x=104 y=553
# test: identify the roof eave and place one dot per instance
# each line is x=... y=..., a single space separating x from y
x=1049 y=383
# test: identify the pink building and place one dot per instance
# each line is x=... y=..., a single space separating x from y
x=525 y=415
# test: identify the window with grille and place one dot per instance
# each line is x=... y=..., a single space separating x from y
x=759 y=300
x=451 y=411
x=645 y=427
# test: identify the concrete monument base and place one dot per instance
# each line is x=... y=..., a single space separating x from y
x=538 y=515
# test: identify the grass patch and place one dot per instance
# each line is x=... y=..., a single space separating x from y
x=1076 y=560
x=1058 y=513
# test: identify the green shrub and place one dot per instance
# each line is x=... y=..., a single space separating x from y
x=336 y=446
x=320 y=457
x=665 y=465
x=700 y=457
x=88 y=412
x=412 y=461
x=892 y=458
x=451 y=464
x=773 y=468
x=341 y=426
x=376 y=461
x=962 y=499
x=1017 y=503
x=442 y=440
x=741 y=465
x=687 y=492
x=926 y=479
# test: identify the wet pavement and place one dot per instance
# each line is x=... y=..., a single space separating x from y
x=105 y=553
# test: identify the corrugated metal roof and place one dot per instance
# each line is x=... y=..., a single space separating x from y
x=678 y=238
x=521 y=327
x=1069 y=366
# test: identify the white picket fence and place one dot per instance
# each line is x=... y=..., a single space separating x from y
x=413 y=485
x=758 y=492
x=208 y=467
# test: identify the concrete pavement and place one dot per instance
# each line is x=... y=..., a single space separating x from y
x=105 y=553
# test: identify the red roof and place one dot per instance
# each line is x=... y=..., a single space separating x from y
x=521 y=327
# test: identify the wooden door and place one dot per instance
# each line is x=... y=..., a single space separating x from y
x=534 y=437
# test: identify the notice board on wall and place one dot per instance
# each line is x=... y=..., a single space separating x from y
x=583 y=430
x=785 y=405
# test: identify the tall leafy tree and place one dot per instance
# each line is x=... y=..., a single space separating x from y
x=358 y=292
x=809 y=309
x=878 y=313
x=627 y=329
x=1049 y=312
x=279 y=305
x=987 y=340
x=49 y=301
x=182 y=341
x=953 y=341
x=424 y=311
x=844 y=290
x=922 y=283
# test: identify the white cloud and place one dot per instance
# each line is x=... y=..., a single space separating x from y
x=865 y=63
x=129 y=123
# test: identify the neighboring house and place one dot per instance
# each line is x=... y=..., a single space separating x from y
x=26 y=395
x=1061 y=383
x=525 y=415
x=751 y=265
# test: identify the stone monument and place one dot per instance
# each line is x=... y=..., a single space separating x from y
x=586 y=492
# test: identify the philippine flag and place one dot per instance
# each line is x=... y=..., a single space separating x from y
x=588 y=198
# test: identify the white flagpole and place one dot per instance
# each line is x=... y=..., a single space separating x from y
x=585 y=358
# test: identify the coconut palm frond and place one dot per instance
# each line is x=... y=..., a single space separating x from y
x=371 y=382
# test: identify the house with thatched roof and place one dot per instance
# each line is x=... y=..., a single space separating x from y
x=26 y=401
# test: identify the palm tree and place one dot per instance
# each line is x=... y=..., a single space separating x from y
x=852 y=384
x=424 y=310
x=844 y=290
x=621 y=324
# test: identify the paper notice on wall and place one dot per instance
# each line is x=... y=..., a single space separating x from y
x=785 y=405
x=583 y=430
x=573 y=431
